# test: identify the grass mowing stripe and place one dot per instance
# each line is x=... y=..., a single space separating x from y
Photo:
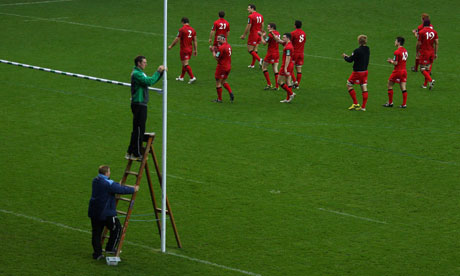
x=128 y=242
x=280 y=131
x=32 y=3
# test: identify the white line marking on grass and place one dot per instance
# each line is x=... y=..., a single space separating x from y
x=32 y=20
x=353 y=216
x=31 y=3
x=186 y=179
x=131 y=243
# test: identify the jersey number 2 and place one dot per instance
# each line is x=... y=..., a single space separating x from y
x=189 y=34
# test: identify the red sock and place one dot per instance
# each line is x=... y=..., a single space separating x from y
x=364 y=99
x=288 y=90
x=299 y=76
x=219 y=93
x=255 y=55
x=353 y=96
x=267 y=77
x=276 y=80
x=189 y=71
x=293 y=76
x=427 y=76
x=183 y=72
x=404 y=97
x=390 y=96
x=227 y=86
x=431 y=66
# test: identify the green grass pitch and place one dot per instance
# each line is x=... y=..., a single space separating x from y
x=257 y=187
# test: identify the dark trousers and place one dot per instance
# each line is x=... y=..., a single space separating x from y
x=114 y=226
x=137 y=135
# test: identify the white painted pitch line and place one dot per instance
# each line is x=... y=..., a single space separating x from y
x=353 y=216
x=131 y=243
x=31 y=3
x=57 y=18
x=186 y=179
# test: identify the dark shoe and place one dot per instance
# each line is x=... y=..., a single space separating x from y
x=100 y=257
x=388 y=105
x=232 y=97
x=216 y=101
x=402 y=106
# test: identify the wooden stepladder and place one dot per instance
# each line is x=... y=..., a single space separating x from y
x=148 y=140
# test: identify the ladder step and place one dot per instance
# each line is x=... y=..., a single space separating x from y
x=121 y=212
x=159 y=210
x=132 y=173
x=124 y=199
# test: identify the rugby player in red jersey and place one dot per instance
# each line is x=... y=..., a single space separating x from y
x=427 y=49
x=360 y=59
x=415 y=32
x=220 y=27
x=287 y=68
x=188 y=46
x=273 y=54
x=255 y=25
x=399 y=74
x=223 y=55
x=298 y=41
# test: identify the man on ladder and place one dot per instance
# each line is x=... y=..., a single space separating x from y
x=139 y=100
x=102 y=210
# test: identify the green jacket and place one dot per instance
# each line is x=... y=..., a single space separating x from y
x=140 y=83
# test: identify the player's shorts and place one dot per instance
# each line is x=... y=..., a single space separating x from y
x=398 y=76
x=297 y=59
x=185 y=55
x=426 y=58
x=290 y=70
x=253 y=39
x=221 y=73
x=358 y=78
x=272 y=58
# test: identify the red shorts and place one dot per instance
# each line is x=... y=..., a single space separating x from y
x=290 y=70
x=358 y=78
x=398 y=76
x=221 y=73
x=426 y=58
x=185 y=55
x=272 y=58
x=253 y=39
x=297 y=59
